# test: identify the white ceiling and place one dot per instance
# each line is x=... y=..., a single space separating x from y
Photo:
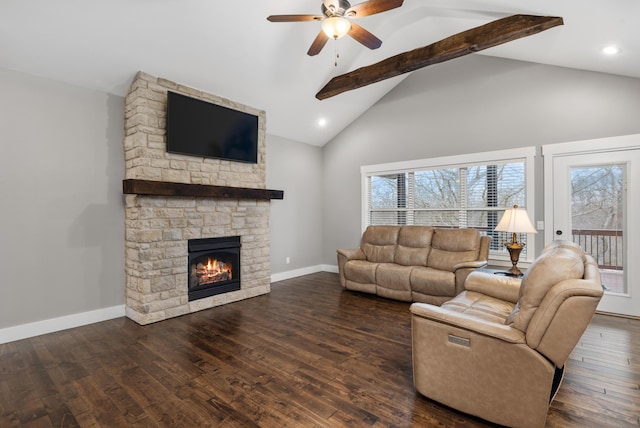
x=230 y=49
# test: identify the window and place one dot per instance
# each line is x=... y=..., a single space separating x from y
x=459 y=191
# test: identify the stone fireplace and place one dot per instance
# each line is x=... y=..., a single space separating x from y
x=173 y=200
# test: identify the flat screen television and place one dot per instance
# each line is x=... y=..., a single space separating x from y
x=200 y=128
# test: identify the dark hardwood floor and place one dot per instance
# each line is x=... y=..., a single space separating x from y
x=308 y=354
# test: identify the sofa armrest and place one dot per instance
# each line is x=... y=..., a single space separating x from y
x=473 y=265
x=352 y=253
x=467 y=322
x=344 y=255
x=498 y=286
x=462 y=271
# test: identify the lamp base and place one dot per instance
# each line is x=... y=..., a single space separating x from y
x=514 y=254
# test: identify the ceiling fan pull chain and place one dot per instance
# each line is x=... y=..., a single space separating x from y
x=335 y=63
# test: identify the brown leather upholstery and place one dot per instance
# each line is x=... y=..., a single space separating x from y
x=413 y=263
x=379 y=244
x=494 y=349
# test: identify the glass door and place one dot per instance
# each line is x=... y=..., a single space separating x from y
x=592 y=207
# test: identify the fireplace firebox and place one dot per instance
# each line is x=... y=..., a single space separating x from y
x=214 y=266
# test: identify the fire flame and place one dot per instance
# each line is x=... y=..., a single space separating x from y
x=214 y=271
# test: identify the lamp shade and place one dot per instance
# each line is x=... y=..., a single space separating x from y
x=336 y=27
x=516 y=220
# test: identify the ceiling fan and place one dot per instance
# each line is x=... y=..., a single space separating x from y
x=336 y=21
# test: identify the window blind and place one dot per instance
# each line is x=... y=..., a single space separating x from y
x=455 y=196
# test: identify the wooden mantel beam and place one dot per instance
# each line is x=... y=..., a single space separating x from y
x=476 y=39
x=164 y=188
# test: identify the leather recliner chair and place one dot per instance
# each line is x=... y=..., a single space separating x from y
x=498 y=350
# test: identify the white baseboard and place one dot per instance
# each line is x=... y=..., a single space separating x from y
x=25 y=331
x=281 y=276
x=330 y=268
x=37 y=328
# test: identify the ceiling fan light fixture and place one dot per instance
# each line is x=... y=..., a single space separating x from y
x=336 y=27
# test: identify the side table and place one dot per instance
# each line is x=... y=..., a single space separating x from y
x=498 y=270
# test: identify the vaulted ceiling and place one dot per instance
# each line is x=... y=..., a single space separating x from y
x=230 y=49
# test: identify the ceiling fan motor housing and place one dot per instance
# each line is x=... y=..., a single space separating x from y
x=340 y=8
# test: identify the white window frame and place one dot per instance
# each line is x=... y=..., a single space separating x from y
x=526 y=154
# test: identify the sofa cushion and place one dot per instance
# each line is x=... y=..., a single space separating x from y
x=433 y=282
x=414 y=244
x=393 y=281
x=391 y=275
x=554 y=265
x=450 y=247
x=379 y=243
x=360 y=271
x=481 y=306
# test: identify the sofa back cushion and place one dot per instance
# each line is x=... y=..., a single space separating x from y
x=556 y=263
x=414 y=244
x=452 y=246
x=379 y=243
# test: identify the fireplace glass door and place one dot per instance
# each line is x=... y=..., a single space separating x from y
x=214 y=266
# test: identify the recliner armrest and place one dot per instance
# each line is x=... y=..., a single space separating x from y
x=352 y=253
x=467 y=322
x=498 y=286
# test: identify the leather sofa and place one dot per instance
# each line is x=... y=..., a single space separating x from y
x=498 y=350
x=413 y=263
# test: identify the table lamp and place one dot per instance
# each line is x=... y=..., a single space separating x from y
x=515 y=220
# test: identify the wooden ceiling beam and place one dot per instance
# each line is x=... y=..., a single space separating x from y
x=473 y=40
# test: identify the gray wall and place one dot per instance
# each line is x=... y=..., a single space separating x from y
x=296 y=221
x=62 y=166
x=472 y=104
x=62 y=216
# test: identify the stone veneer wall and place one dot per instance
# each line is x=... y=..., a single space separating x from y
x=157 y=227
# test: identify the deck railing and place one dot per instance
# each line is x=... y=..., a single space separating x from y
x=606 y=246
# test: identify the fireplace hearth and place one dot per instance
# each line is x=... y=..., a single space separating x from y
x=214 y=266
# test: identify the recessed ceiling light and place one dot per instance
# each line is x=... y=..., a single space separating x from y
x=611 y=50
x=322 y=122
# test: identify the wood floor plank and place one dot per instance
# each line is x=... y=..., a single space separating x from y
x=59 y=413
x=309 y=354
x=101 y=407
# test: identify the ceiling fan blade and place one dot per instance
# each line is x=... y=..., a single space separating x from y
x=318 y=44
x=365 y=37
x=294 y=18
x=372 y=7
x=473 y=40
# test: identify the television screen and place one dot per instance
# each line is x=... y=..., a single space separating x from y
x=200 y=128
